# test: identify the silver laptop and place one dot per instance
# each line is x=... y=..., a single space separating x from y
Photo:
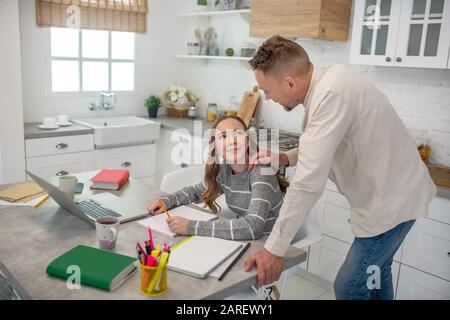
x=91 y=207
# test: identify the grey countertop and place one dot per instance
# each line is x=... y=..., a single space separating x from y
x=195 y=127
x=30 y=238
x=32 y=131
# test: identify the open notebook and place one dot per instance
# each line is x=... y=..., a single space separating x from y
x=158 y=223
x=198 y=256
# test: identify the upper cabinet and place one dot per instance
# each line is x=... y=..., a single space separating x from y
x=326 y=19
x=403 y=33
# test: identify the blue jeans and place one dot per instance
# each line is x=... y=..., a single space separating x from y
x=366 y=272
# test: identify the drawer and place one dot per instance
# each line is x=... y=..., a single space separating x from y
x=439 y=210
x=59 y=145
x=139 y=160
x=326 y=257
x=50 y=166
x=427 y=248
x=185 y=147
x=333 y=215
x=414 y=284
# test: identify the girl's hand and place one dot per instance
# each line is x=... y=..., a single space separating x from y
x=178 y=225
x=154 y=207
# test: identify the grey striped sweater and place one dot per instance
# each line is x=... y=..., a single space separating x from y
x=253 y=196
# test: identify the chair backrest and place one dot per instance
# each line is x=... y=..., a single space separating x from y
x=309 y=233
x=178 y=179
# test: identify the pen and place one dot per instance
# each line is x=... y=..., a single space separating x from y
x=140 y=249
x=165 y=210
x=150 y=237
x=147 y=247
x=41 y=201
x=234 y=261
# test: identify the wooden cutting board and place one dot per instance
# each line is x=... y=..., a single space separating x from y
x=440 y=175
x=249 y=105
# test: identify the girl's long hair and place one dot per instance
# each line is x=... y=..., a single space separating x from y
x=212 y=169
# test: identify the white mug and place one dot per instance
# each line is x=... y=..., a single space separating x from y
x=68 y=184
x=62 y=118
x=49 y=122
x=107 y=229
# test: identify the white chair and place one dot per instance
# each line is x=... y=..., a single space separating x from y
x=178 y=179
x=308 y=234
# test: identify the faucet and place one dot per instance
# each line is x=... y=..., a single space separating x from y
x=100 y=104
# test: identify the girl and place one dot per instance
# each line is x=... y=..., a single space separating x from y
x=254 y=196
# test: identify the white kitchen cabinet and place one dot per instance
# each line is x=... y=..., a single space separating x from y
x=333 y=215
x=58 y=165
x=423 y=36
x=406 y=33
x=326 y=257
x=427 y=248
x=179 y=149
x=375 y=26
x=439 y=210
x=414 y=284
x=139 y=160
x=59 y=145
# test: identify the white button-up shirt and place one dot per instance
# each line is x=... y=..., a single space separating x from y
x=353 y=136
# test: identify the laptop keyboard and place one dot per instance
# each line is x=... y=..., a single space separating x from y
x=95 y=210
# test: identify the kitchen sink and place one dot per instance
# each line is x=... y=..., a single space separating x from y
x=121 y=130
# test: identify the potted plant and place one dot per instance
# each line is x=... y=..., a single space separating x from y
x=153 y=103
x=178 y=99
x=202 y=5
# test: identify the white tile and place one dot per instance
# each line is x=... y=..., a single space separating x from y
x=299 y=288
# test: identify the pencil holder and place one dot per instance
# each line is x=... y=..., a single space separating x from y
x=153 y=280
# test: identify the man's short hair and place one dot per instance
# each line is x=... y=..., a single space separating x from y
x=278 y=55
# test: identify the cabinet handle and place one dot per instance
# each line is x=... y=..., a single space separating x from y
x=388 y=59
x=126 y=164
x=183 y=140
x=349 y=220
x=398 y=59
x=61 y=146
x=184 y=165
x=62 y=173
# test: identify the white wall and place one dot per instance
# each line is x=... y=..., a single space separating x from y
x=12 y=162
x=154 y=61
x=420 y=96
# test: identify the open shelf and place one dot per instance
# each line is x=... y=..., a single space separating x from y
x=188 y=56
x=215 y=13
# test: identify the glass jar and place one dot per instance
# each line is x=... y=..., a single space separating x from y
x=192 y=112
x=233 y=106
x=212 y=112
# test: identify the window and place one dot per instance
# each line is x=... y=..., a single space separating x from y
x=91 y=60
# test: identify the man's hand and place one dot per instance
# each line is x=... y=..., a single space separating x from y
x=178 y=225
x=267 y=157
x=268 y=266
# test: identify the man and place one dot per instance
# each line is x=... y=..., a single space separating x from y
x=353 y=136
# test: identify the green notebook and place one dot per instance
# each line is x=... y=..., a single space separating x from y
x=98 y=268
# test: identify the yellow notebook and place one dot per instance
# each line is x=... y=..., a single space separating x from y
x=20 y=191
